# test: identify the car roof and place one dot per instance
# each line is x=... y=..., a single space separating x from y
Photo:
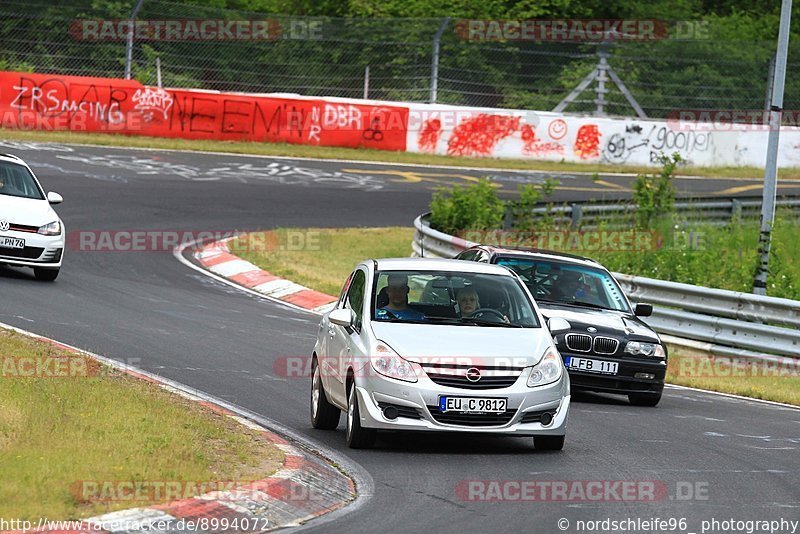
x=438 y=264
x=540 y=253
x=12 y=159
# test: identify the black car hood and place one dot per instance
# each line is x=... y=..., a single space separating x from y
x=618 y=324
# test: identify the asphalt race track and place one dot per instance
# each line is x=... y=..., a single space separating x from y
x=717 y=457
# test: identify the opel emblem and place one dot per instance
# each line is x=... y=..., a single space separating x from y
x=473 y=374
x=592 y=329
x=4 y=225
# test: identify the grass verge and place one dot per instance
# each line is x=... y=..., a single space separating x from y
x=89 y=423
x=689 y=368
x=325 y=267
x=321 y=258
x=305 y=151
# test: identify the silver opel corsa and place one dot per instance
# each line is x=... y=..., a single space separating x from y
x=439 y=345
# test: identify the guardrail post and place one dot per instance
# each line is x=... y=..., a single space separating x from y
x=576 y=213
x=508 y=217
x=736 y=210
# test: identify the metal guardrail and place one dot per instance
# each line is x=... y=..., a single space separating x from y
x=726 y=323
x=615 y=214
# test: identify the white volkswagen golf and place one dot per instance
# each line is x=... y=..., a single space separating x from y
x=439 y=345
x=31 y=233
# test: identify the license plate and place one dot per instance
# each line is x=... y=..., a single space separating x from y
x=592 y=366
x=12 y=242
x=472 y=405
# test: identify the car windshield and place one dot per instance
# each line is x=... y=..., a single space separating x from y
x=568 y=283
x=443 y=297
x=17 y=181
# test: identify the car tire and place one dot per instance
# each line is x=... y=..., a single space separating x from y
x=45 y=275
x=358 y=437
x=644 y=399
x=549 y=443
x=324 y=415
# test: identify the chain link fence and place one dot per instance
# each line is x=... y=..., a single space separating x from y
x=392 y=60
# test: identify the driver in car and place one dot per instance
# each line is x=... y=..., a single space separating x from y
x=468 y=301
x=398 y=307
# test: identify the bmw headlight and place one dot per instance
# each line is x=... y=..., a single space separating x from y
x=548 y=370
x=388 y=363
x=640 y=348
x=54 y=228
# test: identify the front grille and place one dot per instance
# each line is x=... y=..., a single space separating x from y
x=402 y=411
x=536 y=417
x=472 y=419
x=28 y=253
x=605 y=345
x=24 y=228
x=486 y=382
x=579 y=342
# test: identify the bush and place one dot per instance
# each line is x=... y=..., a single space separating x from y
x=655 y=194
x=476 y=207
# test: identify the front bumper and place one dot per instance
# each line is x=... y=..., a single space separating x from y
x=40 y=250
x=418 y=403
x=625 y=381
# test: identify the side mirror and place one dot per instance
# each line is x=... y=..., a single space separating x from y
x=643 y=310
x=342 y=317
x=557 y=325
x=54 y=198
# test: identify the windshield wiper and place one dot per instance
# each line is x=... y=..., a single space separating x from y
x=583 y=304
x=437 y=318
x=483 y=322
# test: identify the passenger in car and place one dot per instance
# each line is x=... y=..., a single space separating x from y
x=570 y=286
x=398 y=307
x=468 y=301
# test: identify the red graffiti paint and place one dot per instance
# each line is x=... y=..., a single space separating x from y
x=478 y=135
x=587 y=143
x=429 y=136
x=532 y=146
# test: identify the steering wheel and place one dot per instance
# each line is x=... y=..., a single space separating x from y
x=481 y=311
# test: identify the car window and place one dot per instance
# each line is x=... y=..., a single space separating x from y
x=443 y=297
x=355 y=296
x=568 y=283
x=467 y=255
x=17 y=181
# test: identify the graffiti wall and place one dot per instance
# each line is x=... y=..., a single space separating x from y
x=450 y=130
x=36 y=101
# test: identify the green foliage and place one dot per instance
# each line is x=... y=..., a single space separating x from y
x=655 y=194
x=476 y=207
x=530 y=197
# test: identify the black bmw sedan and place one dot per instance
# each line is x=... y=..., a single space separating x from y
x=609 y=348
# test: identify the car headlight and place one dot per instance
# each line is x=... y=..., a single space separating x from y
x=548 y=370
x=388 y=363
x=640 y=348
x=54 y=228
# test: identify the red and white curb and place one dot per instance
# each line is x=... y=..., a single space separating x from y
x=305 y=487
x=217 y=258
